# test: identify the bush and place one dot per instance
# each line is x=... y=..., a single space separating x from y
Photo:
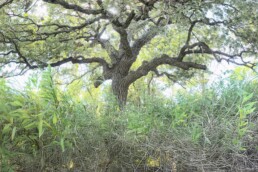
x=44 y=128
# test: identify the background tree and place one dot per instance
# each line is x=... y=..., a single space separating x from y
x=114 y=36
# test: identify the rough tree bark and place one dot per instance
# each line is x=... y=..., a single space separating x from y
x=120 y=90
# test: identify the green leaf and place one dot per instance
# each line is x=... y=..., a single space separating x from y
x=242 y=124
x=246 y=98
x=16 y=104
x=40 y=127
x=13 y=133
x=62 y=144
x=6 y=128
x=30 y=126
x=47 y=124
x=10 y=120
x=54 y=119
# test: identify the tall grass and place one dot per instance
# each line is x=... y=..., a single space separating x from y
x=44 y=128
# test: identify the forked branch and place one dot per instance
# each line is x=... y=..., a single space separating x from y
x=146 y=67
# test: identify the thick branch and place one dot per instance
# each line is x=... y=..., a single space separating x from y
x=144 y=39
x=124 y=46
x=75 y=60
x=78 y=59
x=5 y=3
x=105 y=44
x=129 y=19
x=74 y=7
x=146 y=67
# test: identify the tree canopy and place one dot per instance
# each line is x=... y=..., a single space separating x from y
x=127 y=39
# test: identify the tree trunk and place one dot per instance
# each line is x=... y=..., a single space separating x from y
x=120 y=90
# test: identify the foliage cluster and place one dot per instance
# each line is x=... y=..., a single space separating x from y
x=125 y=40
x=44 y=128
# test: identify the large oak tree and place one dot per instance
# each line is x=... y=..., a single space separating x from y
x=113 y=35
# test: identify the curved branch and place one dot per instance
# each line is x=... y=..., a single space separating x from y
x=189 y=34
x=70 y=28
x=129 y=19
x=105 y=44
x=74 y=7
x=21 y=56
x=5 y=3
x=7 y=53
x=78 y=59
x=125 y=50
x=146 y=67
x=205 y=49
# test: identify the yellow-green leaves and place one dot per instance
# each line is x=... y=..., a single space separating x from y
x=54 y=120
x=16 y=103
x=25 y=15
x=62 y=144
x=13 y=133
x=7 y=128
x=40 y=125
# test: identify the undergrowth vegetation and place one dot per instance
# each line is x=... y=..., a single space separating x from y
x=44 y=128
